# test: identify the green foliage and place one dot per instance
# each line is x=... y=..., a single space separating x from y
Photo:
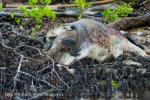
x=48 y=13
x=33 y=31
x=12 y=16
x=32 y=2
x=81 y=4
x=133 y=2
x=110 y=16
x=38 y=12
x=24 y=10
x=114 y=84
x=45 y=2
x=42 y=2
x=121 y=11
x=18 y=20
x=1 y=6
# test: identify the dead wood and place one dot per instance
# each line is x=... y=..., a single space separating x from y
x=94 y=3
x=95 y=9
x=12 y=9
x=9 y=14
x=73 y=14
x=132 y=22
x=60 y=6
x=122 y=24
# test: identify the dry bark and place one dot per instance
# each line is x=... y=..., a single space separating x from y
x=60 y=6
x=132 y=22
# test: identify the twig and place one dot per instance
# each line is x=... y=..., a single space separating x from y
x=12 y=27
x=53 y=70
x=18 y=70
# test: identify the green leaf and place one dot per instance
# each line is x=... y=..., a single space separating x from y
x=46 y=2
x=24 y=10
x=1 y=6
x=49 y=13
x=33 y=2
x=37 y=13
x=114 y=84
x=110 y=16
x=33 y=31
x=38 y=27
x=12 y=15
x=121 y=11
x=18 y=20
x=82 y=4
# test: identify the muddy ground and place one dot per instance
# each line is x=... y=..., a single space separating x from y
x=20 y=79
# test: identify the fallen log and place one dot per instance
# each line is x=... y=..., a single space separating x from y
x=122 y=24
x=95 y=9
x=60 y=6
x=94 y=3
x=58 y=14
x=132 y=22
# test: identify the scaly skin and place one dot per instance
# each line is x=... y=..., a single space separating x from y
x=95 y=40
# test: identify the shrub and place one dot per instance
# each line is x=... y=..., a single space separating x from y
x=1 y=6
x=81 y=5
x=114 y=84
x=37 y=13
x=110 y=16
x=121 y=11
